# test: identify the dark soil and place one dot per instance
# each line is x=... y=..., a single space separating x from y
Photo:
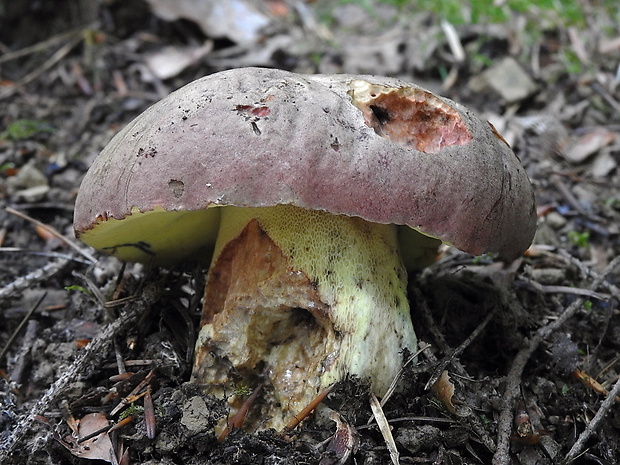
x=522 y=343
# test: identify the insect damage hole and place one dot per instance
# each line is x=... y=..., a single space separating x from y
x=382 y=115
x=409 y=116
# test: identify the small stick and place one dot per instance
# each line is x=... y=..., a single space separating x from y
x=92 y=353
x=556 y=180
x=394 y=383
x=594 y=424
x=472 y=420
x=569 y=290
x=454 y=42
x=133 y=394
x=120 y=363
x=384 y=427
x=588 y=272
x=55 y=58
x=107 y=304
x=54 y=233
x=462 y=346
x=23 y=282
x=21 y=325
x=22 y=358
x=149 y=414
x=237 y=420
x=44 y=254
x=120 y=424
x=38 y=47
x=513 y=380
x=107 y=429
x=297 y=419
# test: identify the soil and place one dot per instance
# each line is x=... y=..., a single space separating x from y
x=530 y=349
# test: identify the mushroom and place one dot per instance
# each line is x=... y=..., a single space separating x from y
x=311 y=195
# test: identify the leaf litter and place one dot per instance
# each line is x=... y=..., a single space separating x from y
x=76 y=84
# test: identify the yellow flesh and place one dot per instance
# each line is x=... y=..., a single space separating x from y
x=356 y=268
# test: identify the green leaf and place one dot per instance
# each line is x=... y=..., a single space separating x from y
x=133 y=409
x=75 y=287
x=579 y=239
x=24 y=129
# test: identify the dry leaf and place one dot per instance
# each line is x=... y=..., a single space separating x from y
x=591 y=142
x=239 y=20
x=170 y=61
x=603 y=164
x=443 y=389
x=591 y=383
x=98 y=447
x=506 y=78
x=343 y=443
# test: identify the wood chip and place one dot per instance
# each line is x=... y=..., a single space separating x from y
x=384 y=427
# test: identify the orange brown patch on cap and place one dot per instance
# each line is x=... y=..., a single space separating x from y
x=411 y=117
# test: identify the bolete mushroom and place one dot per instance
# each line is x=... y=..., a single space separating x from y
x=311 y=195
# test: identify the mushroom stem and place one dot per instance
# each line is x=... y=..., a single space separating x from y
x=301 y=298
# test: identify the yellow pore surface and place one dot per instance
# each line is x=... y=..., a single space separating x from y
x=156 y=236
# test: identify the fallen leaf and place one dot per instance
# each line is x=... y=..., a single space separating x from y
x=343 y=443
x=591 y=142
x=506 y=78
x=591 y=383
x=170 y=61
x=99 y=447
x=239 y=20
x=603 y=164
x=443 y=389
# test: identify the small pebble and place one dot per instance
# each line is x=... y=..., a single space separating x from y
x=555 y=220
x=549 y=276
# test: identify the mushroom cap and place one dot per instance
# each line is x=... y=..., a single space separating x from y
x=374 y=147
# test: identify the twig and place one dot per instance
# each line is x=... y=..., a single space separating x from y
x=421 y=348
x=588 y=272
x=429 y=321
x=22 y=358
x=419 y=419
x=472 y=420
x=44 y=254
x=384 y=427
x=41 y=45
x=55 y=58
x=444 y=346
x=556 y=180
x=106 y=304
x=292 y=424
x=513 y=381
x=138 y=391
x=23 y=282
x=454 y=41
x=546 y=289
x=606 y=96
x=456 y=352
x=594 y=424
x=92 y=353
x=54 y=233
x=21 y=325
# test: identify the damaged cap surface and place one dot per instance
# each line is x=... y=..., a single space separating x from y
x=373 y=147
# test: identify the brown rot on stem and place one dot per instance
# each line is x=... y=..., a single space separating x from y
x=311 y=196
